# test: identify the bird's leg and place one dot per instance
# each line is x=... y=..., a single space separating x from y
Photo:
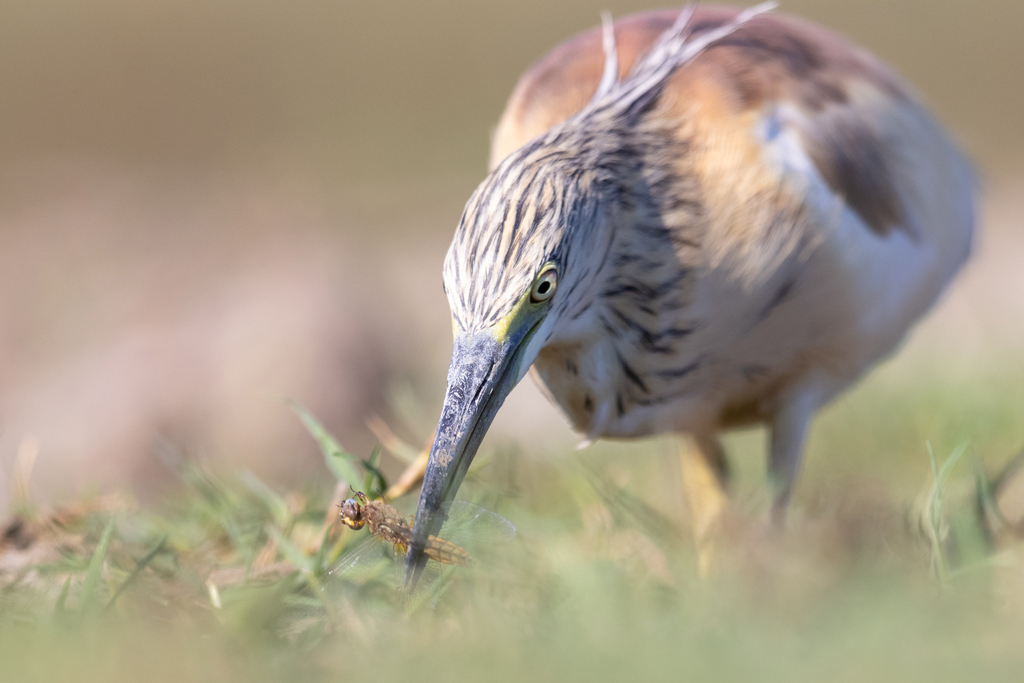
x=705 y=479
x=788 y=432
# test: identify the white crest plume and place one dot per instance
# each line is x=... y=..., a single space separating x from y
x=673 y=49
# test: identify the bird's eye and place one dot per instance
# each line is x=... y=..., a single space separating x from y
x=544 y=286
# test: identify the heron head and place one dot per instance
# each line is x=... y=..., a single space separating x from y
x=517 y=268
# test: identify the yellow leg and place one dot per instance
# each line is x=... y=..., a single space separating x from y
x=705 y=478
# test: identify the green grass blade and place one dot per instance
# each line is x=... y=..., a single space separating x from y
x=95 y=571
x=290 y=551
x=339 y=462
x=375 y=481
x=274 y=503
x=142 y=564
x=935 y=516
x=62 y=599
x=321 y=553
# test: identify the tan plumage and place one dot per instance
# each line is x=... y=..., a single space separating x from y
x=738 y=247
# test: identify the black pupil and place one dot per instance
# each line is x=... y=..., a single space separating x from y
x=544 y=287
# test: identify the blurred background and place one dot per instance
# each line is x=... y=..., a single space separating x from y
x=209 y=205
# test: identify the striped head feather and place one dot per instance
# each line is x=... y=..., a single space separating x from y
x=550 y=202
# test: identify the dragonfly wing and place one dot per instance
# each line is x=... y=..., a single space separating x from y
x=372 y=560
x=472 y=525
x=363 y=561
x=475 y=533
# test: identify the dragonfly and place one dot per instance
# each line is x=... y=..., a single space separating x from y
x=469 y=528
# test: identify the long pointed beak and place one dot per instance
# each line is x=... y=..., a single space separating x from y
x=483 y=372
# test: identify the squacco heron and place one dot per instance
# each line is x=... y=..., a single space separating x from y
x=695 y=219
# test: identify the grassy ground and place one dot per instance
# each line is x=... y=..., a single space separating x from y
x=169 y=168
x=910 y=574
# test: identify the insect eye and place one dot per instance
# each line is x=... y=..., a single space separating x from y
x=544 y=286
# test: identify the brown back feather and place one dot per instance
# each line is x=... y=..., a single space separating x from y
x=774 y=59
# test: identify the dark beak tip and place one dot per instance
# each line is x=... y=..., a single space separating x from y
x=478 y=381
